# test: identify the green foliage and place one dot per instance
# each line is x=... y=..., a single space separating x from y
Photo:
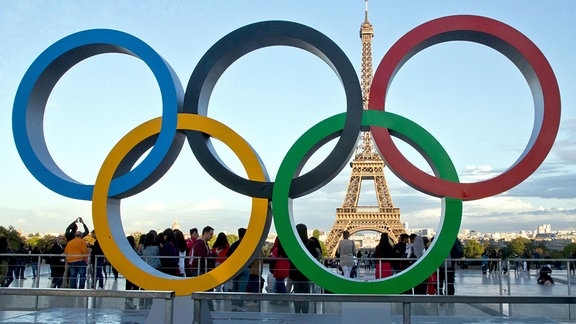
x=316 y=233
x=266 y=249
x=324 y=252
x=473 y=249
x=14 y=237
x=137 y=236
x=556 y=255
x=44 y=243
x=489 y=246
x=518 y=245
x=212 y=240
x=569 y=249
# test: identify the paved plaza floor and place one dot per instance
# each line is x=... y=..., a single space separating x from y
x=469 y=282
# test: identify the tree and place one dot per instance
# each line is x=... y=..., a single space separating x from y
x=266 y=249
x=488 y=246
x=316 y=233
x=13 y=236
x=473 y=249
x=569 y=249
x=43 y=243
x=518 y=245
x=232 y=238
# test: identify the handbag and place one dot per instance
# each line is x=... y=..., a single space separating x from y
x=383 y=269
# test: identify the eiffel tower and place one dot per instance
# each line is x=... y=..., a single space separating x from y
x=366 y=165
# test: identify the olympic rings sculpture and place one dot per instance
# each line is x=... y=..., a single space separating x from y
x=184 y=118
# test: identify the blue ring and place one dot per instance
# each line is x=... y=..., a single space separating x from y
x=41 y=78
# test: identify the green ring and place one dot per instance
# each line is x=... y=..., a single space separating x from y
x=414 y=135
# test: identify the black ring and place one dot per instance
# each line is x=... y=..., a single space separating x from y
x=243 y=41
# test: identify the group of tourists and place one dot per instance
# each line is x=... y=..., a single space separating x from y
x=390 y=258
x=13 y=263
x=72 y=260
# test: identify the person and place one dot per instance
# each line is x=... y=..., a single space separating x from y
x=21 y=261
x=527 y=256
x=544 y=276
x=168 y=253
x=484 y=258
x=408 y=254
x=202 y=256
x=573 y=263
x=281 y=267
x=399 y=252
x=150 y=253
x=182 y=250
x=418 y=247
x=4 y=258
x=255 y=280
x=151 y=250
x=300 y=281
x=35 y=261
x=240 y=281
x=201 y=253
x=57 y=262
x=129 y=285
x=97 y=262
x=140 y=245
x=317 y=246
x=448 y=269
x=70 y=234
x=71 y=230
x=221 y=244
x=493 y=263
x=347 y=251
x=417 y=250
x=432 y=281
x=383 y=251
x=189 y=242
x=77 y=257
x=11 y=269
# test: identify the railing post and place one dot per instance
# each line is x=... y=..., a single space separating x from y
x=446 y=284
x=509 y=288
x=569 y=283
x=169 y=310
x=406 y=312
x=197 y=308
x=38 y=267
x=500 y=285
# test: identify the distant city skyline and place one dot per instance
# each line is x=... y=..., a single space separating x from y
x=472 y=99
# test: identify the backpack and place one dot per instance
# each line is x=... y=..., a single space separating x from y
x=457 y=251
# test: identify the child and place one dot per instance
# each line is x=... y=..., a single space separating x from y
x=545 y=278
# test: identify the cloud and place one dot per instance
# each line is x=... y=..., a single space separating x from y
x=210 y=204
x=564 y=148
x=559 y=186
x=500 y=204
x=155 y=206
x=528 y=220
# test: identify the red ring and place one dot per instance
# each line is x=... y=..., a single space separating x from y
x=508 y=41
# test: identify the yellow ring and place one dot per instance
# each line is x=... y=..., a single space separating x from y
x=108 y=224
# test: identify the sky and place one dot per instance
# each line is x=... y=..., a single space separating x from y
x=471 y=98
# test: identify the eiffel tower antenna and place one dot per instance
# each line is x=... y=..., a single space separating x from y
x=366 y=165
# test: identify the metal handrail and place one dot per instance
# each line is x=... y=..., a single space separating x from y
x=168 y=296
x=406 y=300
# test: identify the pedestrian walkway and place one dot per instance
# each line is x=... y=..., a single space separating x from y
x=470 y=282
